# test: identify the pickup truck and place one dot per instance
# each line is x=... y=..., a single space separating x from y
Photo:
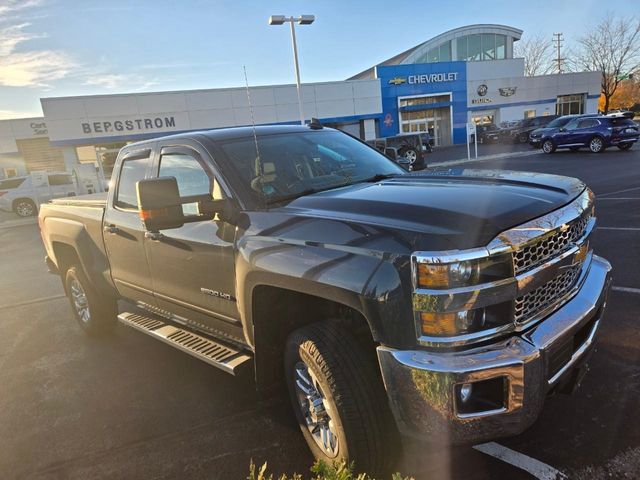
x=443 y=305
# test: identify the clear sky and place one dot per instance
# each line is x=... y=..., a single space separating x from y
x=52 y=48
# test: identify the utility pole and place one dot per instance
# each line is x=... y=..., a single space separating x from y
x=558 y=40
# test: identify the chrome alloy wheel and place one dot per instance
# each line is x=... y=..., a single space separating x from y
x=80 y=303
x=547 y=147
x=25 y=209
x=412 y=156
x=316 y=410
x=595 y=145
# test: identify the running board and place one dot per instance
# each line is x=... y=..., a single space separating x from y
x=205 y=349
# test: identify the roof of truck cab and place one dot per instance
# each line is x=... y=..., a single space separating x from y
x=232 y=132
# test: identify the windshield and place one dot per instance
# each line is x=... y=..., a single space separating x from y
x=294 y=164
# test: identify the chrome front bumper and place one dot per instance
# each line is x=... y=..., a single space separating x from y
x=421 y=385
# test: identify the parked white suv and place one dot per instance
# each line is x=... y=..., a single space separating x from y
x=23 y=195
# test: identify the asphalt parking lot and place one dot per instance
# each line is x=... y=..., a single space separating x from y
x=129 y=407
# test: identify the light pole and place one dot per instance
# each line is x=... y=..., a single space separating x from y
x=301 y=20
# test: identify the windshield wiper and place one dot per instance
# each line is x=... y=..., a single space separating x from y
x=291 y=196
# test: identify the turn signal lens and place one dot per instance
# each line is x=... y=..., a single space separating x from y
x=440 y=324
x=449 y=275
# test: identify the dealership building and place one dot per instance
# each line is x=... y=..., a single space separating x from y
x=468 y=74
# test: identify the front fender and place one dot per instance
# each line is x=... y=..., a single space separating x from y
x=368 y=281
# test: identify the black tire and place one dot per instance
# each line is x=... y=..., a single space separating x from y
x=625 y=146
x=523 y=137
x=102 y=310
x=548 y=146
x=25 y=207
x=574 y=149
x=351 y=396
x=596 y=144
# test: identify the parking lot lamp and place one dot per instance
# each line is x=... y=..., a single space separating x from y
x=301 y=20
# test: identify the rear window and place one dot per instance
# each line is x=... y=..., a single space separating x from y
x=11 y=183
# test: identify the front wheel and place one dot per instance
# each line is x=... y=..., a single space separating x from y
x=410 y=154
x=338 y=398
x=625 y=146
x=25 y=207
x=523 y=138
x=596 y=145
x=95 y=313
x=548 y=146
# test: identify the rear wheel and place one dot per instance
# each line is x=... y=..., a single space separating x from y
x=523 y=138
x=95 y=313
x=25 y=207
x=596 y=145
x=338 y=398
x=410 y=154
x=625 y=146
x=548 y=146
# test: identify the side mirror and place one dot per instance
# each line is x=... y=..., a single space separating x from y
x=562 y=129
x=160 y=204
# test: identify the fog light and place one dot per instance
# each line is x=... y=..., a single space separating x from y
x=465 y=392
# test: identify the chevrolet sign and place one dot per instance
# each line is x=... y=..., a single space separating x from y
x=433 y=78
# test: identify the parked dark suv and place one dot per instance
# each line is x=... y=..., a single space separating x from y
x=595 y=132
x=413 y=147
x=535 y=137
x=521 y=133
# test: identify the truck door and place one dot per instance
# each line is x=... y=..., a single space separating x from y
x=193 y=267
x=123 y=230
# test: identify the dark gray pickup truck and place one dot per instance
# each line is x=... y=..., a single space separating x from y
x=439 y=305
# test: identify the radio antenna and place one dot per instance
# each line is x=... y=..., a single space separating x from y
x=258 y=163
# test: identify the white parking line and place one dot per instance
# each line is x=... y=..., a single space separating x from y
x=31 y=302
x=619 y=191
x=535 y=467
x=625 y=289
x=628 y=229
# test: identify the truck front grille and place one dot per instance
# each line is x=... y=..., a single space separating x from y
x=537 y=252
x=530 y=305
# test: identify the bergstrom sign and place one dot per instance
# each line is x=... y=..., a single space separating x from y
x=136 y=124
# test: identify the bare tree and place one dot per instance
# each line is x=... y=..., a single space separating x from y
x=537 y=54
x=613 y=48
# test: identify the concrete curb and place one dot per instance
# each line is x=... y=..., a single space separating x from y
x=495 y=156
x=18 y=223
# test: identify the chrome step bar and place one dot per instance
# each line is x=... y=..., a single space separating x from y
x=222 y=356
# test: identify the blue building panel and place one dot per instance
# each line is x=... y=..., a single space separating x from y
x=423 y=79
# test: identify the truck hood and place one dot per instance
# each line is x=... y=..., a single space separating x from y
x=441 y=210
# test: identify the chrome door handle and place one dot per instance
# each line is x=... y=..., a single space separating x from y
x=110 y=229
x=153 y=235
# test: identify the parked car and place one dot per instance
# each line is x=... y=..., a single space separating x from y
x=487 y=133
x=413 y=146
x=446 y=307
x=521 y=132
x=595 y=133
x=536 y=135
x=20 y=195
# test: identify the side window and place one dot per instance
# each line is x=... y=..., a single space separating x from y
x=572 y=125
x=587 y=123
x=60 y=179
x=191 y=177
x=131 y=172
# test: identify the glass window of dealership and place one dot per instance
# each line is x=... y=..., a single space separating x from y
x=469 y=48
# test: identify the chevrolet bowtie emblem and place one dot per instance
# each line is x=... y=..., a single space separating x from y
x=397 y=81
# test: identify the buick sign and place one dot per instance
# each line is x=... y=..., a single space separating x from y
x=482 y=90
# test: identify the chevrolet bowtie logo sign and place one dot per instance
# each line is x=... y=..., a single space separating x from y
x=397 y=81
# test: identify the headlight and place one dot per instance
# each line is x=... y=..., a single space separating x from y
x=431 y=275
x=435 y=324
